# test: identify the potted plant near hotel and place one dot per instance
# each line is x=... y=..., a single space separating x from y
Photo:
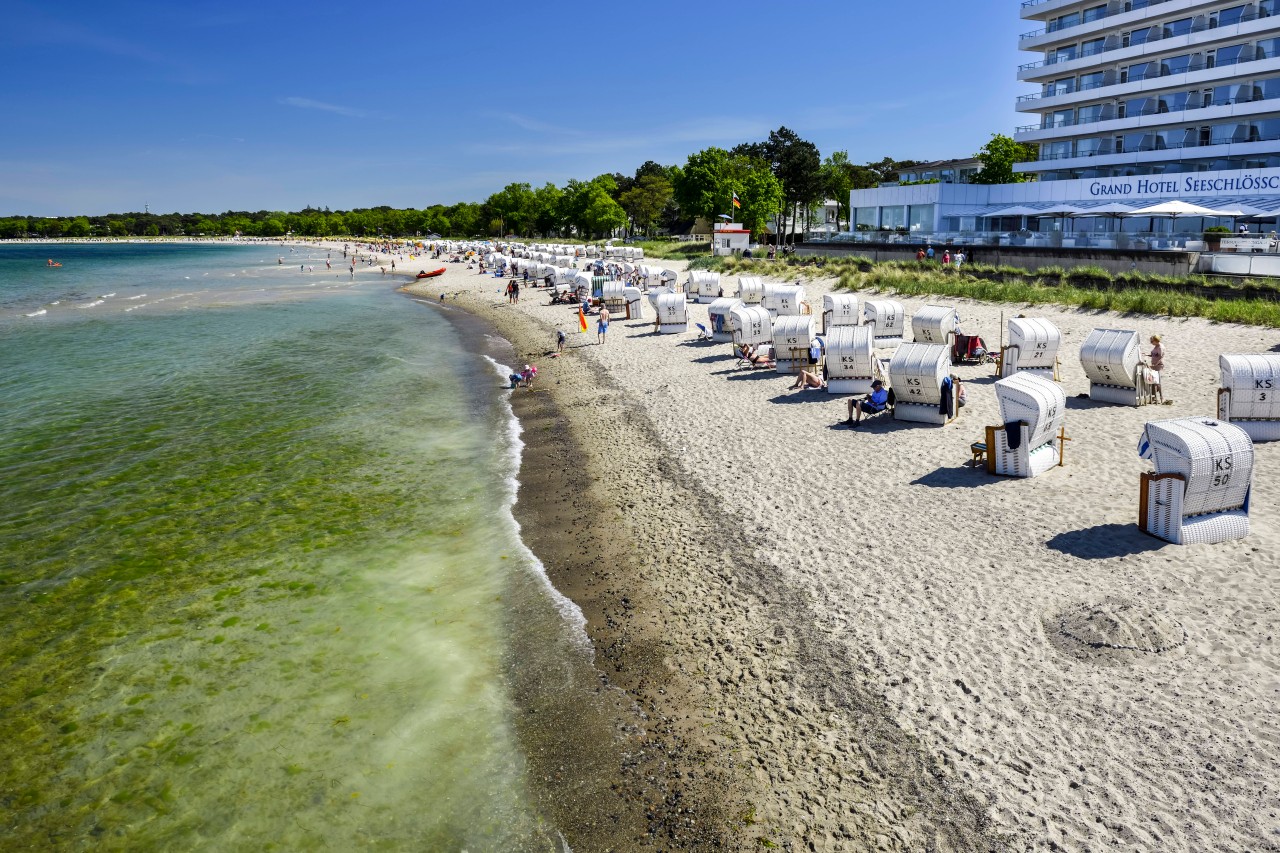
x=1213 y=236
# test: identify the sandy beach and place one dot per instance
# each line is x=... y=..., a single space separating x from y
x=861 y=638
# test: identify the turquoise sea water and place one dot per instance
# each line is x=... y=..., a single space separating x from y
x=256 y=561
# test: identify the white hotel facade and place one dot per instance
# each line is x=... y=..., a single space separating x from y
x=1134 y=102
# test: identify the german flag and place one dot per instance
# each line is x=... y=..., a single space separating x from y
x=736 y=203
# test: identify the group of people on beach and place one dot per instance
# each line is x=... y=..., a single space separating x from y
x=926 y=253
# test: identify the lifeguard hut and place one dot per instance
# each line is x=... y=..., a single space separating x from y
x=730 y=238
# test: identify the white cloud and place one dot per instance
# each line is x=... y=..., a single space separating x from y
x=308 y=104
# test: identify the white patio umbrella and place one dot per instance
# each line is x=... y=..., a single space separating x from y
x=1174 y=209
x=1110 y=210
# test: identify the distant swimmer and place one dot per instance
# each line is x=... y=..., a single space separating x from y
x=280 y=260
x=52 y=263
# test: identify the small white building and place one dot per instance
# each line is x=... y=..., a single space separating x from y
x=730 y=238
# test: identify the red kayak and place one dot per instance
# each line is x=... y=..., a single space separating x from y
x=432 y=274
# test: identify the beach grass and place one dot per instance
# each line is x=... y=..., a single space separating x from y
x=1088 y=287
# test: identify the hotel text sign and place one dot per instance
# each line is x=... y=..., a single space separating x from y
x=1232 y=182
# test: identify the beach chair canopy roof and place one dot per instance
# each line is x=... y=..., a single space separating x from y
x=751 y=325
x=933 y=323
x=1037 y=401
x=1214 y=457
x=916 y=372
x=850 y=351
x=1111 y=356
x=887 y=315
x=1254 y=382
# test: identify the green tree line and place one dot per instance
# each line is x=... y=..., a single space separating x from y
x=776 y=180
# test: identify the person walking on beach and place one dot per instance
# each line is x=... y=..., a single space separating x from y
x=559 y=340
x=515 y=291
x=602 y=325
x=1155 y=374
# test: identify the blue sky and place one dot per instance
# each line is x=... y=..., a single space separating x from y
x=235 y=106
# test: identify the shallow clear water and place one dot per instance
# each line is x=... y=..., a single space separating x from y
x=257 y=560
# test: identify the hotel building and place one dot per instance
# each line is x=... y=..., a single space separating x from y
x=1135 y=102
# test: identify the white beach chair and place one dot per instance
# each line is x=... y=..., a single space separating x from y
x=923 y=389
x=1112 y=361
x=1248 y=396
x=1029 y=441
x=1199 y=490
x=1033 y=346
x=888 y=318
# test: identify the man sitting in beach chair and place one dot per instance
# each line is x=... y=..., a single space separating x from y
x=872 y=404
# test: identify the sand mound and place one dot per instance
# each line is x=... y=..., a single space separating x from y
x=1116 y=625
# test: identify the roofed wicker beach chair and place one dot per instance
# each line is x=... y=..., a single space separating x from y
x=1112 y=361
x=1033 y=346
x=1247 y=397
x=1030 y=441
x=1199 y=490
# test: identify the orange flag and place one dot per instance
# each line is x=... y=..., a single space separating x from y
x=582 y=320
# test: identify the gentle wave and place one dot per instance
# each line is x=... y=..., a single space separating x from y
x=569 y=611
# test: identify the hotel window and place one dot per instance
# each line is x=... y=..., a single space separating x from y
x=1227 y=55
x=1062 y=54
x=1092 y=46
x=1094 y=13
x=920 y=217
x=1064 y=21
x=1228 y=17
x=1089 y=114
x=1059 y=118
x=1134 y=37
x=1267 y=89
x=1266 y=129
x=1175 y=65
x=1174 y=102
x=1180 y=27
x=1137 y=142
x=1267 y=48
x=1055 y=150
x=1221 y=134
x=1139 y=71
x=865 y=219
x=1094 y=80
x=893 y=217
x=1065 y=86
x=1176 y=138
x=1267 y=8
x=1140 y=107
x=1093 y=147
